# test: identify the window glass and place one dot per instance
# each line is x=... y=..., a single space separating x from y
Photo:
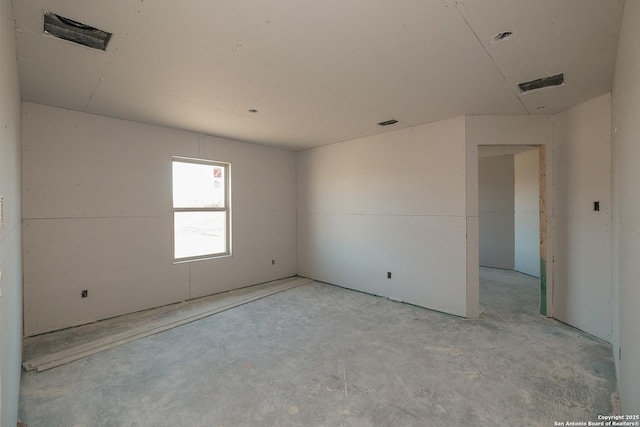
x=198 y=185
x=200 y=209
x=199 y=233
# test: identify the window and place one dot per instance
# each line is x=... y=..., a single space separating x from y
x=201 y=220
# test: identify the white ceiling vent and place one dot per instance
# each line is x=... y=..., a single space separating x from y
x=73 y=31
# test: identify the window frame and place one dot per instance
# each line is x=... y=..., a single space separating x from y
x=226 y=167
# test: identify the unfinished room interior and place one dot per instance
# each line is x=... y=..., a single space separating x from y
x=319 y=213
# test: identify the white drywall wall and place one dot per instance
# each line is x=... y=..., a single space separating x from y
x=393 y=202
x=582 y=175
x=10 y=230
x=495 y=207
x=626 y=209
x=527 y=212
x=504 y=130
x=97 y=216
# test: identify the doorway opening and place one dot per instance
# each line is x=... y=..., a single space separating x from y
x=511 y=234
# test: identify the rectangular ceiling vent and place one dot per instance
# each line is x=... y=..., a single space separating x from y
x=556 y=80
x=73 y=31
x=388 y=122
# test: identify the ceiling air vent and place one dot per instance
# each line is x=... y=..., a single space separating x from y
x=388 y=122
x=73 y=31
x=556 y=80
x=505 y=35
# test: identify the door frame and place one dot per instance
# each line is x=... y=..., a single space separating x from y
x=509 y=130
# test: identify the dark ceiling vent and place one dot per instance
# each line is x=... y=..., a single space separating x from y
x=556 y=80
x=73 y=31
x=502 y=36
x=388 y=122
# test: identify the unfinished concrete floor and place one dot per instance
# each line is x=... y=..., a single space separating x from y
x=322 y=355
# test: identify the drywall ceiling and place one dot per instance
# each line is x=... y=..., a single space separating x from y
x=318 y=72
